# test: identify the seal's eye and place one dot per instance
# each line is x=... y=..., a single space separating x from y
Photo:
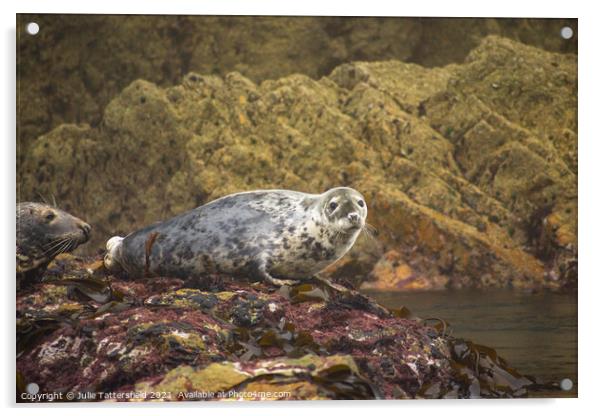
x=50 y=216
x=333 y=205
x=361 y=203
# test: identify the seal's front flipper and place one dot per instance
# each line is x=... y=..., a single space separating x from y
x=111 y=259
x=279 y=282
x=272 y=280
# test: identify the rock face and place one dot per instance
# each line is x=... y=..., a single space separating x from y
x=84 y=332
x=88 y=59
x=469 y=170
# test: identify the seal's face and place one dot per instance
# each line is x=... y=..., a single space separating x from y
x=345 y=209
x=49 y=229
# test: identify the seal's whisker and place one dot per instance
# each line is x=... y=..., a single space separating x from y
x=57 y=249
x=370 y=228
x=42 y=198
x=339 y=235
x=72 y=245
x=369 y=235
x=65 y=247
x=57 y=241
x=54 y=244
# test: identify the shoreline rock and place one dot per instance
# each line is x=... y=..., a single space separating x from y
x=84 y=330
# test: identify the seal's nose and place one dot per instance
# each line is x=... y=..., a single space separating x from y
x=86 y=228
x=354 y=217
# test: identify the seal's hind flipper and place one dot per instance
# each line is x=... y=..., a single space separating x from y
x=112 y=257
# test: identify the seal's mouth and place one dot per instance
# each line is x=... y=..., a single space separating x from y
x=349 y=226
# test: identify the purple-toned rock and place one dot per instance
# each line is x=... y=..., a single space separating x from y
x=86 y=332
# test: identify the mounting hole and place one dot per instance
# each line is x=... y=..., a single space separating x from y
x=566 y=384
x=32 y=388
x=566 y=32
x=32 y=28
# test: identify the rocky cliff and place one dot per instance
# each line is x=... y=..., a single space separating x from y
x=469 y=170
x=77 y=64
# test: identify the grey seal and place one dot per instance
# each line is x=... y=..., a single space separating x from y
x=280 y=236
x=43 y=232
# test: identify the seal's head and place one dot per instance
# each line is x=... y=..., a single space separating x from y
x=345 y=209
x=44 y=231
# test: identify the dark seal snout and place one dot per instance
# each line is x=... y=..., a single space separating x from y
x=86 y=229
x=354 y=218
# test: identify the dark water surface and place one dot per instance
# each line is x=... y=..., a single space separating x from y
x=535 y=333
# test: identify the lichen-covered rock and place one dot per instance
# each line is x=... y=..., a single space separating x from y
x=310 y=377
x=163 y=340
x=468 y=170
x=88 y=59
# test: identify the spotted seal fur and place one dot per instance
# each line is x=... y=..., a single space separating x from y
x=280 y=236
x=43 y=232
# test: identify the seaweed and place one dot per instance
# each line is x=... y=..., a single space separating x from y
x=495 y=377
x=31 y=330
x=319 y=289
x=401 y=312
x=307 y=292
x=244 y=326
x=260 y=342
x=338 y=382
x=341 y=383
x=92 y=291
x=91 y=288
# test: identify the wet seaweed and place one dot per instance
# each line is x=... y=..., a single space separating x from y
x=30 y=331
x=337 y=382
x=342 y=383
x=321 y=290
x=251 y=325
x=91 y=288
x=261 y=342
x=495 y=377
